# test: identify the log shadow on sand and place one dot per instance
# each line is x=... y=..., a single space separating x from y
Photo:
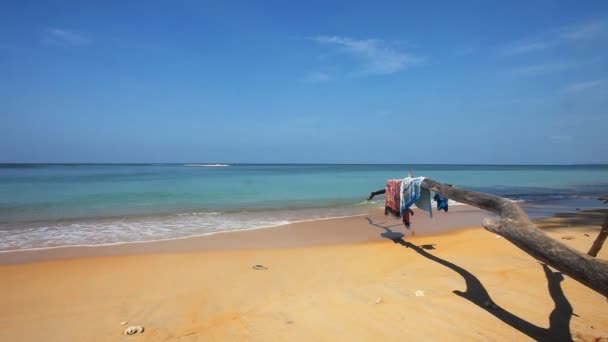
x=559 y=319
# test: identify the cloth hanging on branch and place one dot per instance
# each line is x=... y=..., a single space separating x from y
x=406 y=217
x=442 y=202
x=412 y=193
x=392 y=197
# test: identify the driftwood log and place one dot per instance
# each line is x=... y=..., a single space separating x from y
x=515 y=226
x=599 y=241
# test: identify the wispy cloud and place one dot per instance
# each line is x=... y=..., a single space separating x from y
x=542 y=68
x=376 y=56
x=64 y=37
x=560 y=139
x=383 y=113
x=581 y=86
x=465 y=51
x=590 y=30
x=316 y=77
x=524 y=46
x=584 y=31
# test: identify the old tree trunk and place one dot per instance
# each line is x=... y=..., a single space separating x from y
x=599 y=241
x=515 y=226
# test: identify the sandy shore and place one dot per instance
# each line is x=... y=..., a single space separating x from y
x=320 y=232
x=323 y=283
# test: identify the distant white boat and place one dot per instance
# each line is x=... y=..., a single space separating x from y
x=207 y=165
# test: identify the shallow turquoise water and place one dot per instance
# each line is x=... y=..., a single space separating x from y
x=49 y=204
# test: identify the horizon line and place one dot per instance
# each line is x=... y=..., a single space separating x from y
x=254 y=163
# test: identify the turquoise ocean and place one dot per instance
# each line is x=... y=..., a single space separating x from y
x=45 y=205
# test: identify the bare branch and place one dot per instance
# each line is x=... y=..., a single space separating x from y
x=515 y=226
x=599 y=241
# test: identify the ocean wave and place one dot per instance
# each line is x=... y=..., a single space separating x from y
x=149 y=228
x=200 y=213
x=206 y=165
x=125 y=230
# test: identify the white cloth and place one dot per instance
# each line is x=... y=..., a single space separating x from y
x=412 y=193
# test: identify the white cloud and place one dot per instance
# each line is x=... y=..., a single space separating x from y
x=542 y=68
x=316 y=77
x=580 y=86
x=465 y=51
x=560 y=139
x=377 y=57
x=383 y=113
x=584 y=31
x=64 y=37
x=524 y=46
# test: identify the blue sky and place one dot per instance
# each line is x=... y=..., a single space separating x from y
x=273 y=81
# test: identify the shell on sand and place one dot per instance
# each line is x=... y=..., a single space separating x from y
x=134 y=329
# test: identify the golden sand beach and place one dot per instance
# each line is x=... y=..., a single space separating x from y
x=361 y=278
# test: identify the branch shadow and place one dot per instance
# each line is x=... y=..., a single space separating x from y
x=559 y=319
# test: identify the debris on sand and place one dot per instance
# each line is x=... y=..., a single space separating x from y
x=134 y=329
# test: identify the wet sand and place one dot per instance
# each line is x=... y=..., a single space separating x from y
x=308 y=233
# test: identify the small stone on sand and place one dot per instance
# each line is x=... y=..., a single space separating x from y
x=134 y=329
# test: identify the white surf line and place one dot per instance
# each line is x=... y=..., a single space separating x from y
x=283 y=223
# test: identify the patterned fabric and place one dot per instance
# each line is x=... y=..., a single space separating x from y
x=392 y=196
x=410 y=190
x=413 y=193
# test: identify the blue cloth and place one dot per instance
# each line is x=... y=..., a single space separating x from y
x=412 y=193
x=442 y=202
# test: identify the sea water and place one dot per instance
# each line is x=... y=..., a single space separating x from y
x=43 y=205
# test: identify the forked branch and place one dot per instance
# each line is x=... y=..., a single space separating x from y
x=515 y=226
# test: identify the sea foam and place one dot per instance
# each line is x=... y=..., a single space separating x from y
x=150 y=228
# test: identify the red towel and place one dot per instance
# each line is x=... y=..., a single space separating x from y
x=392 y=196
